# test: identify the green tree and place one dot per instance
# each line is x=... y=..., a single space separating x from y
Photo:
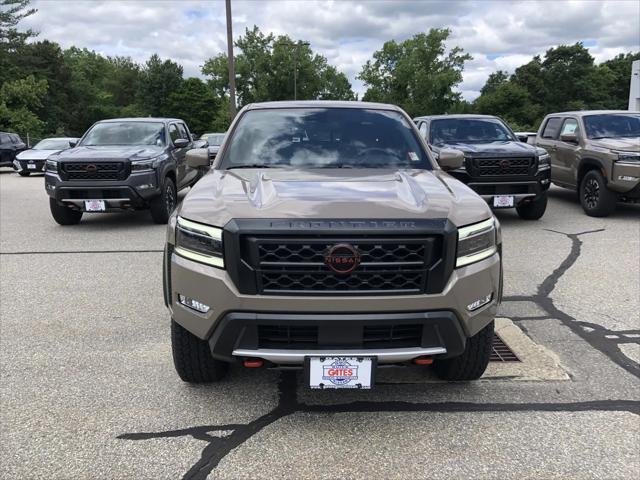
x=11 y=39
x=157 y=82
x=266 y=67
x=195 y=103
x=619 y=69
x=418 y=74
x=19 y=100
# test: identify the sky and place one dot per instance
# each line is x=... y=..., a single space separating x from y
x=498 y=34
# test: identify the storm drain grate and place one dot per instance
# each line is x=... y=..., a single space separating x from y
x=500 y=352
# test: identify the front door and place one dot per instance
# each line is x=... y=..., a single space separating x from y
x=566 y=154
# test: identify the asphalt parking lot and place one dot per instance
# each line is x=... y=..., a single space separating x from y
x=88 y=388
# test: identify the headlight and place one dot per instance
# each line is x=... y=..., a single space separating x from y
x=476 y=242
x=628 y=157
x=143 y=165
x=51 y=166
x=198 y=242
x=544 y=160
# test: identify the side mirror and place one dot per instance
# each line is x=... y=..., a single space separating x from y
x=194 y=137
x=72 y=143
x=569 y=138
x=181 y=142
x=450 y=159
x=198 y=157
x=523 y=138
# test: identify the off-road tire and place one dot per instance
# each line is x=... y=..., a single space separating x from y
x=24 y=173
x=533 y=210
x=192 y=357
x=64 y=215
x=473 y=361
x=596 y=199
x=163 y=205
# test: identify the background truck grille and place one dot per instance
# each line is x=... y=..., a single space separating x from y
x=86 y=171
x=497 y=167
x=288 y=266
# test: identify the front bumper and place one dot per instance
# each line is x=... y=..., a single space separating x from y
x=518 y=187
x=231 y=322
x=132 y=193
x=625 y=179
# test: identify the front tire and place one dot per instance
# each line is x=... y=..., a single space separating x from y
x=192 y=357
x=596 y=199
x=64 y=215
x=473 y=361
x=163 y=205
x=533 y=210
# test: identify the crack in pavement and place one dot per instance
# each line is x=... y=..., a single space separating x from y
x=218 y=448
x=597 y=337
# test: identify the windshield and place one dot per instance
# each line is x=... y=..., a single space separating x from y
x=463 y=130
x=324 y=138
x=214 y=139
x=52 y=144
x=612 y=126
x=125 y=133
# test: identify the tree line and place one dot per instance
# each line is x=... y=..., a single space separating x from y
x=47 y=90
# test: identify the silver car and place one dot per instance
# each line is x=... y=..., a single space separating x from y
x=34 y=159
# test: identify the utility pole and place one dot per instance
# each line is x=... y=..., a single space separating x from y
x=232 y=67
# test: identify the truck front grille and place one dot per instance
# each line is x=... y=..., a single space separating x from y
x=498 y=167
x=297 y=265
x=94 y=171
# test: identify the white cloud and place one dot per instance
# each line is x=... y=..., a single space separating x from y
x=499 y=35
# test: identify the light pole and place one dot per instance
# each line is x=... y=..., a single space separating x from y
x=297 y=44
x=232 y=67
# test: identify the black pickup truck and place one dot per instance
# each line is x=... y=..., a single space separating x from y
x=122 y=164
x=503 y=170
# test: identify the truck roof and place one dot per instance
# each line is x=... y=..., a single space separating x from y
x=141 y=119
x=454 y=115
x=322 y=104
x=592 y=112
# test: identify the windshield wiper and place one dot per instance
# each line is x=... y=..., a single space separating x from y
x=253 y=165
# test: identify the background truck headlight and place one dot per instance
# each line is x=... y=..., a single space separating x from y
x=200 y=243
x=476 y=242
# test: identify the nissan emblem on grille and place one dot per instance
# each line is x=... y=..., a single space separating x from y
x=504 y=164
x=91 y=169
x=342 y=258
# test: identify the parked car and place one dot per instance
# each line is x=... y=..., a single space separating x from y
x=33 y=160
x=121 y=164
x=326 y=237
x=214 y=140
x=596 y=153
x=504 y=171
x=10 y=145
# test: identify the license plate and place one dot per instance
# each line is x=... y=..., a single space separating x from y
x=94 y=205
x=31 y=166
x=341 y=372
x=503 y=201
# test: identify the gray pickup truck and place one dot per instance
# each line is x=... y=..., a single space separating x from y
x=122 y=164
x=327 y=238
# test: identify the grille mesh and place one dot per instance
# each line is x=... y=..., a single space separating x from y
x=94 y=171
x=495 y=167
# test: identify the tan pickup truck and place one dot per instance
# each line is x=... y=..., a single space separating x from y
x=596 y=153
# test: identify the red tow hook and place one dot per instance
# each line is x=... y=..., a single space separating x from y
x=423 y=360
x=253 y=363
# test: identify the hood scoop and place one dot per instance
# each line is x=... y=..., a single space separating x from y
x=409 y=191
x=261 y=190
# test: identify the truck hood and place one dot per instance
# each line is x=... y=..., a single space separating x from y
x=631 y=144
x=223 y=195
x=124 y=152
x=492 y=149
